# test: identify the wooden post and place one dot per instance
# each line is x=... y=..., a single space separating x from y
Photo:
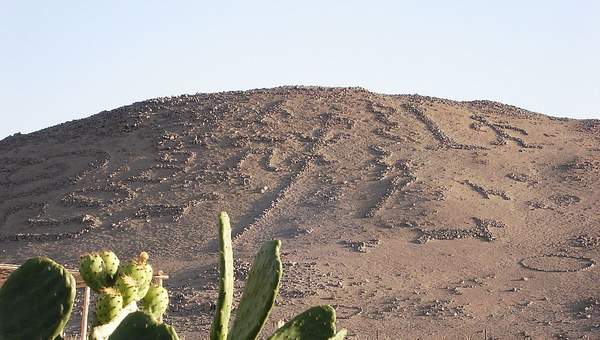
x=84 y=313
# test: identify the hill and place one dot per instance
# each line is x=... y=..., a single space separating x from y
x=413 y=216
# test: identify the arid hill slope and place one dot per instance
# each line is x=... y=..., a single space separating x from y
x=416 y=217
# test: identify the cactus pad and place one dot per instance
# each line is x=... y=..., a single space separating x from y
x=156 y=302
x=140 y=326
x=108 y=305
x=111 y=263
x=339 y=335
x=140 y=271
x=93 y=272
x=259 y=294
x=36 y=301
x=218 y=329
x=317 y=323
x=128 y=288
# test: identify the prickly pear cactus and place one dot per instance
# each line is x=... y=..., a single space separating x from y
x=317 y=323
x=93 y=272
x=259 y=294
x=102 y=332
x=141 y=272
x=108 y=305
x=111 y=263
x=36 y=300
x=341 y=335
x=218 y=329
x=155 y=302
x=140 y=326
x=128 y=288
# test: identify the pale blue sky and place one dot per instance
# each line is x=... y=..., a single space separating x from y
x=61 y=60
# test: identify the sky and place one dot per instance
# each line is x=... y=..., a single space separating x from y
x=64 y=60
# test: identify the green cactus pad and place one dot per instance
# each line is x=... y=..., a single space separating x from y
x=259 y=294
x=317 y=323
x=36 y=300
x=108 y=305
x=111 y=263
x=156 y=302
x=128 y=288
x=102 y=332
x=218 y=329
x=140 y=271
x=340 y=335
x=140 y=326
x=93 y=272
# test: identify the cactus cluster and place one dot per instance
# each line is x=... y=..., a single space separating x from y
x=36 y=300
x=259 y=296
x=120 y=285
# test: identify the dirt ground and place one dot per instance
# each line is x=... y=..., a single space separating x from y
x=415 y=217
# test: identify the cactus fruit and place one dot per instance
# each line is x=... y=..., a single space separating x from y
x=108 y=304
x=36 y=300
x=111 y=263
x=140 y=326
x=141 y=272
x=93 y=272
x=259 y=294
x=156 y=302
x=128 y=288
x=218 y=329
x=317 y=323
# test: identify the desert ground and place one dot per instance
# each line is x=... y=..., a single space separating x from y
x=415 y=217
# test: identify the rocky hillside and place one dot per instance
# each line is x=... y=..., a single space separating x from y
x=413 y=216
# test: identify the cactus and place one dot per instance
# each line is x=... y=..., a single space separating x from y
x=259 y=294
x=108 y=305
x=155 y=302
x=36 y=300
x=102 y=332
x=141 y=272
x=111 y=263
x=218 y=329
x=340 y=335
x=317 y=323
x=93 y=272
x=128 y=288
x=140 y=326
x=133 y=282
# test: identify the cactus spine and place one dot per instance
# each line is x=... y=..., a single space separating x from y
x=141 y=326
x=36 y=300
x=259 y=294
x=317 y=323
x=218 y=329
